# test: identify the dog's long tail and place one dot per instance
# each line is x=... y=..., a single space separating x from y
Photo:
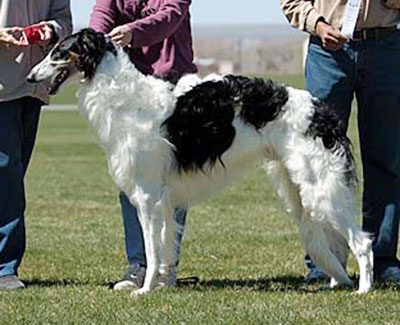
x=317 y=244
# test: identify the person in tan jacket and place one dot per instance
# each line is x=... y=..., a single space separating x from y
x=366 y=64
x=20 y=105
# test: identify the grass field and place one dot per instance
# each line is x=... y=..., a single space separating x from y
x=241 y=244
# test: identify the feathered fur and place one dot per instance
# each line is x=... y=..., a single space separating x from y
x=169 y=147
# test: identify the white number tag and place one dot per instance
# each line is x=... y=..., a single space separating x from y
x=350 y=17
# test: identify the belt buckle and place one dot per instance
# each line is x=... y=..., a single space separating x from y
x=364 y=34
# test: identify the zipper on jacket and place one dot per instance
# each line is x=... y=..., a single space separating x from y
x=28 y=7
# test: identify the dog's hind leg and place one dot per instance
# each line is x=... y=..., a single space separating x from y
x=170 y=246
x=314 y=236
x=333 y=201
x=328 y=199
x=333 y=247
x=362 y=249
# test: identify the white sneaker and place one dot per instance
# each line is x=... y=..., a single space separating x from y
x=10 y=282
x=133 y=278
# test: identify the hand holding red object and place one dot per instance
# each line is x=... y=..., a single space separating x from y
x=32 y=34
x=37 y=34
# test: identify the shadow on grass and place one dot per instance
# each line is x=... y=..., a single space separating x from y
x=277 y=284
x=284 y=283
x=287 y=283
x=66 y=283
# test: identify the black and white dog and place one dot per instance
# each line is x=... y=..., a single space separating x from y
x=173 y=146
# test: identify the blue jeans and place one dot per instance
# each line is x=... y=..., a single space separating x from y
x=18 y=126
x=134 y=243
x=370 y=71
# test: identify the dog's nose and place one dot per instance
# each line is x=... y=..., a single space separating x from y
x=31 y=78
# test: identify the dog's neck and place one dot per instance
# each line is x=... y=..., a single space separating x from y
x=118 y=86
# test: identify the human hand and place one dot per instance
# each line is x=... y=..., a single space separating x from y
x=332 y=39
x=9 y=39
x=122 y=35
x=40 y=34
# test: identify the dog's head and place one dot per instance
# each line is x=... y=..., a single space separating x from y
x=80 y=52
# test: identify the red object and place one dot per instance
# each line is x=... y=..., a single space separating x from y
x=31 y=34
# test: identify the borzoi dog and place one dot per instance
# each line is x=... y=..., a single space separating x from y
x=172 y=146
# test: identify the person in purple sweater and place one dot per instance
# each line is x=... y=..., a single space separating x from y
x=157 y=36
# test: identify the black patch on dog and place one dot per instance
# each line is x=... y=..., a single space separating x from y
x=89 y=46
x=85 y=49
x=327 y=126
x=201 y=126
x=261 y=100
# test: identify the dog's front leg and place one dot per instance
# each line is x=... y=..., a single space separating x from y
x=151 y=221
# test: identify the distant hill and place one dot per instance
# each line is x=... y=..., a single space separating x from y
x=259 y=32
x=251 y=49
x=256 y=32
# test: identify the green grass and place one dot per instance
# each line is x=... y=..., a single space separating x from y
x=289 y=79
x=241 y=244
x=67 y=96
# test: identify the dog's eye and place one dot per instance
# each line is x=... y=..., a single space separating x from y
x=60 y=55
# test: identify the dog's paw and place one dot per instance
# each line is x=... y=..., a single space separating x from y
x=334 y=283
x=139 y=292
x=363 y=291
x=364 y=288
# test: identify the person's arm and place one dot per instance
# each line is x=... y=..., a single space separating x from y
x=154 y=28
x=303 y=15
x=59 y=19
x=103 y=17
x=162 y=24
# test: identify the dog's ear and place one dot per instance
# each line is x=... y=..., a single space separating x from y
x=91 y=48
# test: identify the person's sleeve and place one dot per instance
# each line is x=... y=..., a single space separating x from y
x=301 y=14
x=103 y=17
x=160 y=25
x=60 y=18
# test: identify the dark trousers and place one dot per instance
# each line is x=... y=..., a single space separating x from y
x=18 y=126
x=370 y=71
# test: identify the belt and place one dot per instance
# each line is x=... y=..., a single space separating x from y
x=372 y=34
